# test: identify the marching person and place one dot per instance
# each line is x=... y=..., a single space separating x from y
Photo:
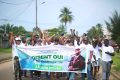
x=107 y=53
x=70 y=75
x=89 y=52
x=36 y=42
x=57 y=74
x=96 y=65
x=16 y=41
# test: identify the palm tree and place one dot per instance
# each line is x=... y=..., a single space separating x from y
x=65 y=16
x=62 y=29
x=92 y=32
x=114 y=26
x=99 y=30
x=6 y=28
x=95 y=31
x=114 y=21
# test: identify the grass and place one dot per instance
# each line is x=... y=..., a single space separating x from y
x=5 y=50
x=116 y=62
x=5 y=54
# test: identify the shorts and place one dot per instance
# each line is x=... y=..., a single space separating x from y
x=98 y=63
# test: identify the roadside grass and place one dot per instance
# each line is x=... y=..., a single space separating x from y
x=116 y=62
x=5 y=54
x=5 y=50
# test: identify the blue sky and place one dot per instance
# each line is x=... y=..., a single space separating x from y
x=87 y=13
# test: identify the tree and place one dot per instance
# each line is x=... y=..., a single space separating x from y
x=53 y=31
x=37 y=31
x=21 y=30
x=113 y=25
x=95 y=31
x=65 y=16
x=6 y=28
x=57 y=31
x=17 y=30
x=99 y=30
x=62 y=30
x=91 y=32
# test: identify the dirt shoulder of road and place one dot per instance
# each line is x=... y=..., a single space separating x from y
x=115 y=73
x=5 y=54
x=5 y=57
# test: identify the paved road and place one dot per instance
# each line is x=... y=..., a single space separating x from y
x=6 y=72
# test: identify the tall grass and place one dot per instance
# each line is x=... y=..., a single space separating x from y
x=116 y=62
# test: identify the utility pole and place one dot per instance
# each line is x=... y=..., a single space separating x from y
x=36 y=15
x=36 y=3
x=37 y=30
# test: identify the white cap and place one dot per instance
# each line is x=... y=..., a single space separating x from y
x=17 y=38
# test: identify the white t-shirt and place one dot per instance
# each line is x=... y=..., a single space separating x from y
x=14 y=50
x=97 y=52
x=106 y=57
x=88 y=48
x=75 y=43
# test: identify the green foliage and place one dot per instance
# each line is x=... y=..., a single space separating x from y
x=17 y=30
x=62 y=29
x=95 y=31
x=57 y=31
x=5 y=50
x=54 y=31
x=116 y=62
x=6 y=27
x=37 y=30
x=114 y=26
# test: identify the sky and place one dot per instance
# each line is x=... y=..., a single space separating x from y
x=86 y=13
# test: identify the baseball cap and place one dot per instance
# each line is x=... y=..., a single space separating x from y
x=17 y=38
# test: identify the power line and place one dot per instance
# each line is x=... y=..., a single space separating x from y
x=14 y=18
x=14 y=3
x=23 y=10
x=24 y=21
x=17 y=21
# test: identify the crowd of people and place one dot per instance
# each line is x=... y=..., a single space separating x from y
x=99 y=53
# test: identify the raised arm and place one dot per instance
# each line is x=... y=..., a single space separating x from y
x=11 y=38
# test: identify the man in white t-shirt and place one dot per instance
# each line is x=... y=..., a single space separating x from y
x=17 y=69
x=16 y=43
x=96 y=65
x=107 y=53
x=89 y=48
